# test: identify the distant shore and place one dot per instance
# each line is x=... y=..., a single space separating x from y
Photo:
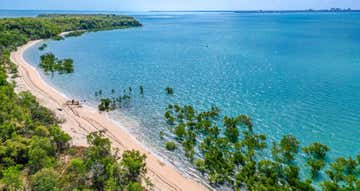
x=335 y=10
x=79 y=121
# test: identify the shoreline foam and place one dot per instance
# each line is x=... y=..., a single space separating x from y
x=80 y=121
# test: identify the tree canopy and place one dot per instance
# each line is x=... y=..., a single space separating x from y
x=17 y=31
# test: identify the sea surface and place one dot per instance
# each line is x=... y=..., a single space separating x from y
x=293 y=73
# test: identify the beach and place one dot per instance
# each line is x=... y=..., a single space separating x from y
x=80 y=121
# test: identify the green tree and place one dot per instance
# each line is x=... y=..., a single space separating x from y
x=74 y=176
x=48 y=62
x=141 y=90
x=316 y=150
x=315 y=165
x=169 y=90
x=11 y=179
x=60 y=138
x=200 y=165
x=104 y=104
x=41 y=153
x=180 y=131
x=97 y=158
x=287 y=149
x=67 y=65
x=14 y=151
x=42 y=47
x=45 y=180
x=134 y=186
x=231 y=130
x=315 y=156
x=134 y=165
x=170 y=146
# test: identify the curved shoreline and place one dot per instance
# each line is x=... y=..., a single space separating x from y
x=80 y=121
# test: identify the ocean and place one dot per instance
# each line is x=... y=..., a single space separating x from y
x=293 y=73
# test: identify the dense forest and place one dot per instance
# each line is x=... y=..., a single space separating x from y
x=17 y=31
x=35 y=153
x=234 y=154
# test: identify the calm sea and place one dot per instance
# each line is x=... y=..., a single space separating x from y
x=293 y=73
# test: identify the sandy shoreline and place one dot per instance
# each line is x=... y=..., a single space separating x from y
x=80 y=121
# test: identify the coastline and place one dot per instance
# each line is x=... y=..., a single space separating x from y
x=80 y=121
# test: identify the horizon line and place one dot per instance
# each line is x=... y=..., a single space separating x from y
x=227 y=10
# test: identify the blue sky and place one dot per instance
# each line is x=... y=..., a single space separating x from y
x=145 y=5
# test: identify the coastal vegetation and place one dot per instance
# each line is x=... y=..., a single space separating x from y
x=141 y=90
x=232 y=153
x=114 y=102
x=170 y=146
x=17 y=31
x=105 y=105
x=169 y=90
x=35 y=154
x=161 y=134
x=42 y=47
x=50 y=63
x=35 y=150
x=98 y=93
x=57 y=38
x=7 y=65
x=75 y=33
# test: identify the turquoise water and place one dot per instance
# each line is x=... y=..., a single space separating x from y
x=292 y=73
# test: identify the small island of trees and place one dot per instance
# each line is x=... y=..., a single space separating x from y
x=42 y=47
x=50 y=63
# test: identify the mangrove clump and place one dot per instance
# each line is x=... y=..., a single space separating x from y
x=50 y=63
x=42 y=47
x=233 y=154
x=169 y=90
x=171 y=146
x=74 y=34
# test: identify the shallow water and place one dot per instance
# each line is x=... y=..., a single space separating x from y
x=292 y=73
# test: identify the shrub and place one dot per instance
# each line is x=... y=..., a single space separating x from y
x=170 y=146
x=169 y=90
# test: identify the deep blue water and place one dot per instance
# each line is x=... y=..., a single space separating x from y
x=295 y=73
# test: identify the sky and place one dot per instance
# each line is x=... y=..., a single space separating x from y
x=147 y=5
